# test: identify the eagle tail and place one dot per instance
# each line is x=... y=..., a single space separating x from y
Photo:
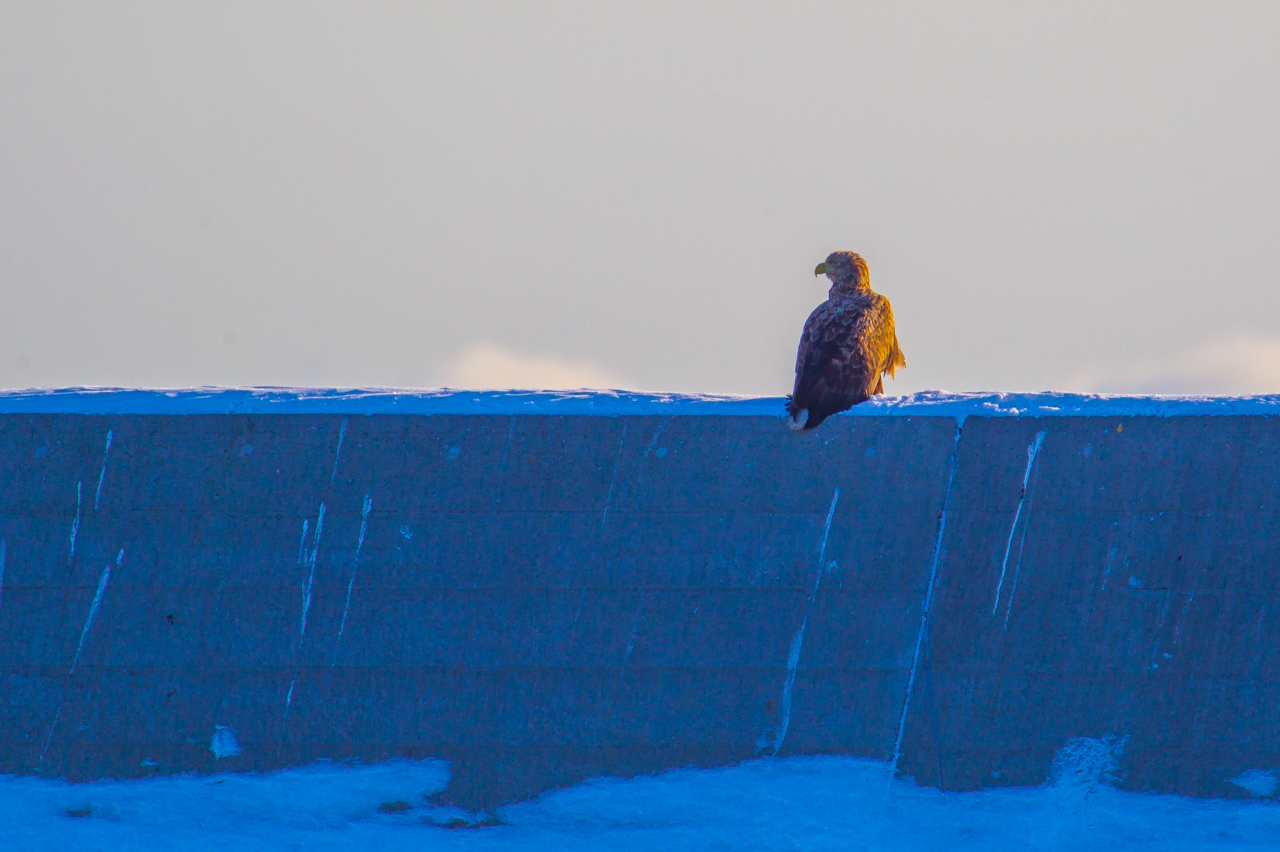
x=809 y=415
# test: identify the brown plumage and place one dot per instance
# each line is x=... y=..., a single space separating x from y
x=847 y=346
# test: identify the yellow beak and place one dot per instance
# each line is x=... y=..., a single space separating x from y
x=821 y=270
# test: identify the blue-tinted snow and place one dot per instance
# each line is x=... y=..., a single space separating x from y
x=600 y=402
x=813 y=803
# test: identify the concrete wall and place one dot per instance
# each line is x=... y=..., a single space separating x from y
x=543 y=598
x=1140 y=600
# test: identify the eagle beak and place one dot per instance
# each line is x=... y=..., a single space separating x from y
x=821 y=269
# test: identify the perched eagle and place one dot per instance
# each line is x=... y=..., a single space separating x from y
x=847 y=345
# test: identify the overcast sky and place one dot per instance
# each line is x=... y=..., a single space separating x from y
x=1077 y=196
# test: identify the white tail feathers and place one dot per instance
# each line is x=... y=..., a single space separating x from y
x=796 y=421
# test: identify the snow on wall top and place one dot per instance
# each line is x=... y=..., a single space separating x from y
x=609 y=403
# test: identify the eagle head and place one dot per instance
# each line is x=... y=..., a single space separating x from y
x=845 y=269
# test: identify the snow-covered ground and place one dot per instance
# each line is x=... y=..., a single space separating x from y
x=600 y=402
x=811 y=803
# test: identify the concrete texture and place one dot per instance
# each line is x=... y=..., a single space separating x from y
x=1140 y=600
x=544 y=598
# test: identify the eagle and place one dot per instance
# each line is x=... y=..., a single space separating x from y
x=847 y=346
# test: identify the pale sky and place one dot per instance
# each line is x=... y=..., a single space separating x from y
x=1071 y=196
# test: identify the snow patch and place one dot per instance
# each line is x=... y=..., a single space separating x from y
x=835 y=803
x=609 y=403
x=1259 y=783
x=1086 y=762
x=223 y=743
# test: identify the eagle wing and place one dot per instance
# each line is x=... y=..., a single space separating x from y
x=846 y=346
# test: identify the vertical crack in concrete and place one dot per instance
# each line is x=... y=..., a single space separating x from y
x=635 y=625
x=1177 y=627
x=793 y=660
x=1106 y=572
x=84 y=634
x=355 y=567
x=928 y=602
x=654 y=441
x=604 y=516
x=75 y=525
x=1164 y=612
x=337 y=455
x=1033 y=450
x=635 y=616
x=310 y=560
x=502 y=467
x=613 y=480
x=93 y=611
x=311 y=575
x=97 y=495
x=822 y=549
x=49 y=739
x=797 y=642
x=302 y=542
x=631 y=637
x=1022 y=543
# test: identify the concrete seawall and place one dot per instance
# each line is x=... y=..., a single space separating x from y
x=543 y=591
